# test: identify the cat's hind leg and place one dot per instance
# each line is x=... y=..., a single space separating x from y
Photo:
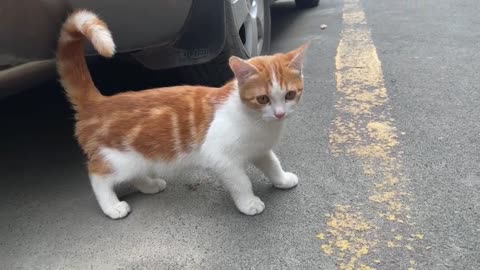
x=103 y=187
x=150 y=185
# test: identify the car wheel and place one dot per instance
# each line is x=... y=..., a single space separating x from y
x=247 y=34
x=251 y=21
x=306 y=3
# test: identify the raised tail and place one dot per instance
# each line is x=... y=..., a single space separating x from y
x=71 y=64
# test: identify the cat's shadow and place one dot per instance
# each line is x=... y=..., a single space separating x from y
x=199 y=193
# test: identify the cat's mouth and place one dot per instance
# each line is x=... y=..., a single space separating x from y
x=275 y=119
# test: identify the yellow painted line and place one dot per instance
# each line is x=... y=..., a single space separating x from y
x=363 y=129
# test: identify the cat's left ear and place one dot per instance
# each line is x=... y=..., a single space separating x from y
x=297 y=57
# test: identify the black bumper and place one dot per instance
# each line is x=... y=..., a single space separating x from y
x=201 y=39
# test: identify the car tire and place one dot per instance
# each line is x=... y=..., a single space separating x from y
x=306 y=3
x=217 y=72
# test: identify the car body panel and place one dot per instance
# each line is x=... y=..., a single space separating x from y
x=141 y=23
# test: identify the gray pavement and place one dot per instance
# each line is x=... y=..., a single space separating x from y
x=429 y=55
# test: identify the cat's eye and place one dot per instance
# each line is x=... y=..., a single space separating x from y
x=263 y=99
x=291 y=95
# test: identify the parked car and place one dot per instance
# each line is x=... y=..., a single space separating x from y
x=158 y=34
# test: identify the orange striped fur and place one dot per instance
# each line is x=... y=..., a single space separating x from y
x=158 y=123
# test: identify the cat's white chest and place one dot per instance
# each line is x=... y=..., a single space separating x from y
x=240 y=138
x=259 y=139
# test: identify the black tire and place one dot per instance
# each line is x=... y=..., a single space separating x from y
x=217 y=72
x=306 y=3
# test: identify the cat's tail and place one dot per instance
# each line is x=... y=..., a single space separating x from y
x=71 y=64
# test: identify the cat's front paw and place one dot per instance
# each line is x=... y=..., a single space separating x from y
x=251 y=206
x=289 y=180
x=119 y=210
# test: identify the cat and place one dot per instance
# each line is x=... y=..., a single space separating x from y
x=143 y=137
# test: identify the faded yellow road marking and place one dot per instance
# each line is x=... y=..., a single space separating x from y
x=357 y=235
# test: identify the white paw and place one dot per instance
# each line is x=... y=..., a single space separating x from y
x=119 y=210
x=251 y=206
x=153 y=186
x=289 y=180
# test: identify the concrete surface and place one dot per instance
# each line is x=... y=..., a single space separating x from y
x=49 y=218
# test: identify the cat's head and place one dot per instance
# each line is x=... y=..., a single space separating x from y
x=271 y=85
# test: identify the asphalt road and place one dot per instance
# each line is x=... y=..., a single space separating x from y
x=386 y=146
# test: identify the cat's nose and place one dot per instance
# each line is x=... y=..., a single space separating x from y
x=279 y=115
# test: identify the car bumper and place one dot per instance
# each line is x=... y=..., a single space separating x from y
x=159 y=34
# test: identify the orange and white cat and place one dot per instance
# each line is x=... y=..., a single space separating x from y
x=145 y=136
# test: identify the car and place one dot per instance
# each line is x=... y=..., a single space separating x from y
x=200 y=35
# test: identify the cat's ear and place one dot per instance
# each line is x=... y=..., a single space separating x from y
x=297 y=56
x=242 y=69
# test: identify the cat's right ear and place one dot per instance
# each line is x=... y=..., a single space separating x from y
x=297 y=57
x=242 y=69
